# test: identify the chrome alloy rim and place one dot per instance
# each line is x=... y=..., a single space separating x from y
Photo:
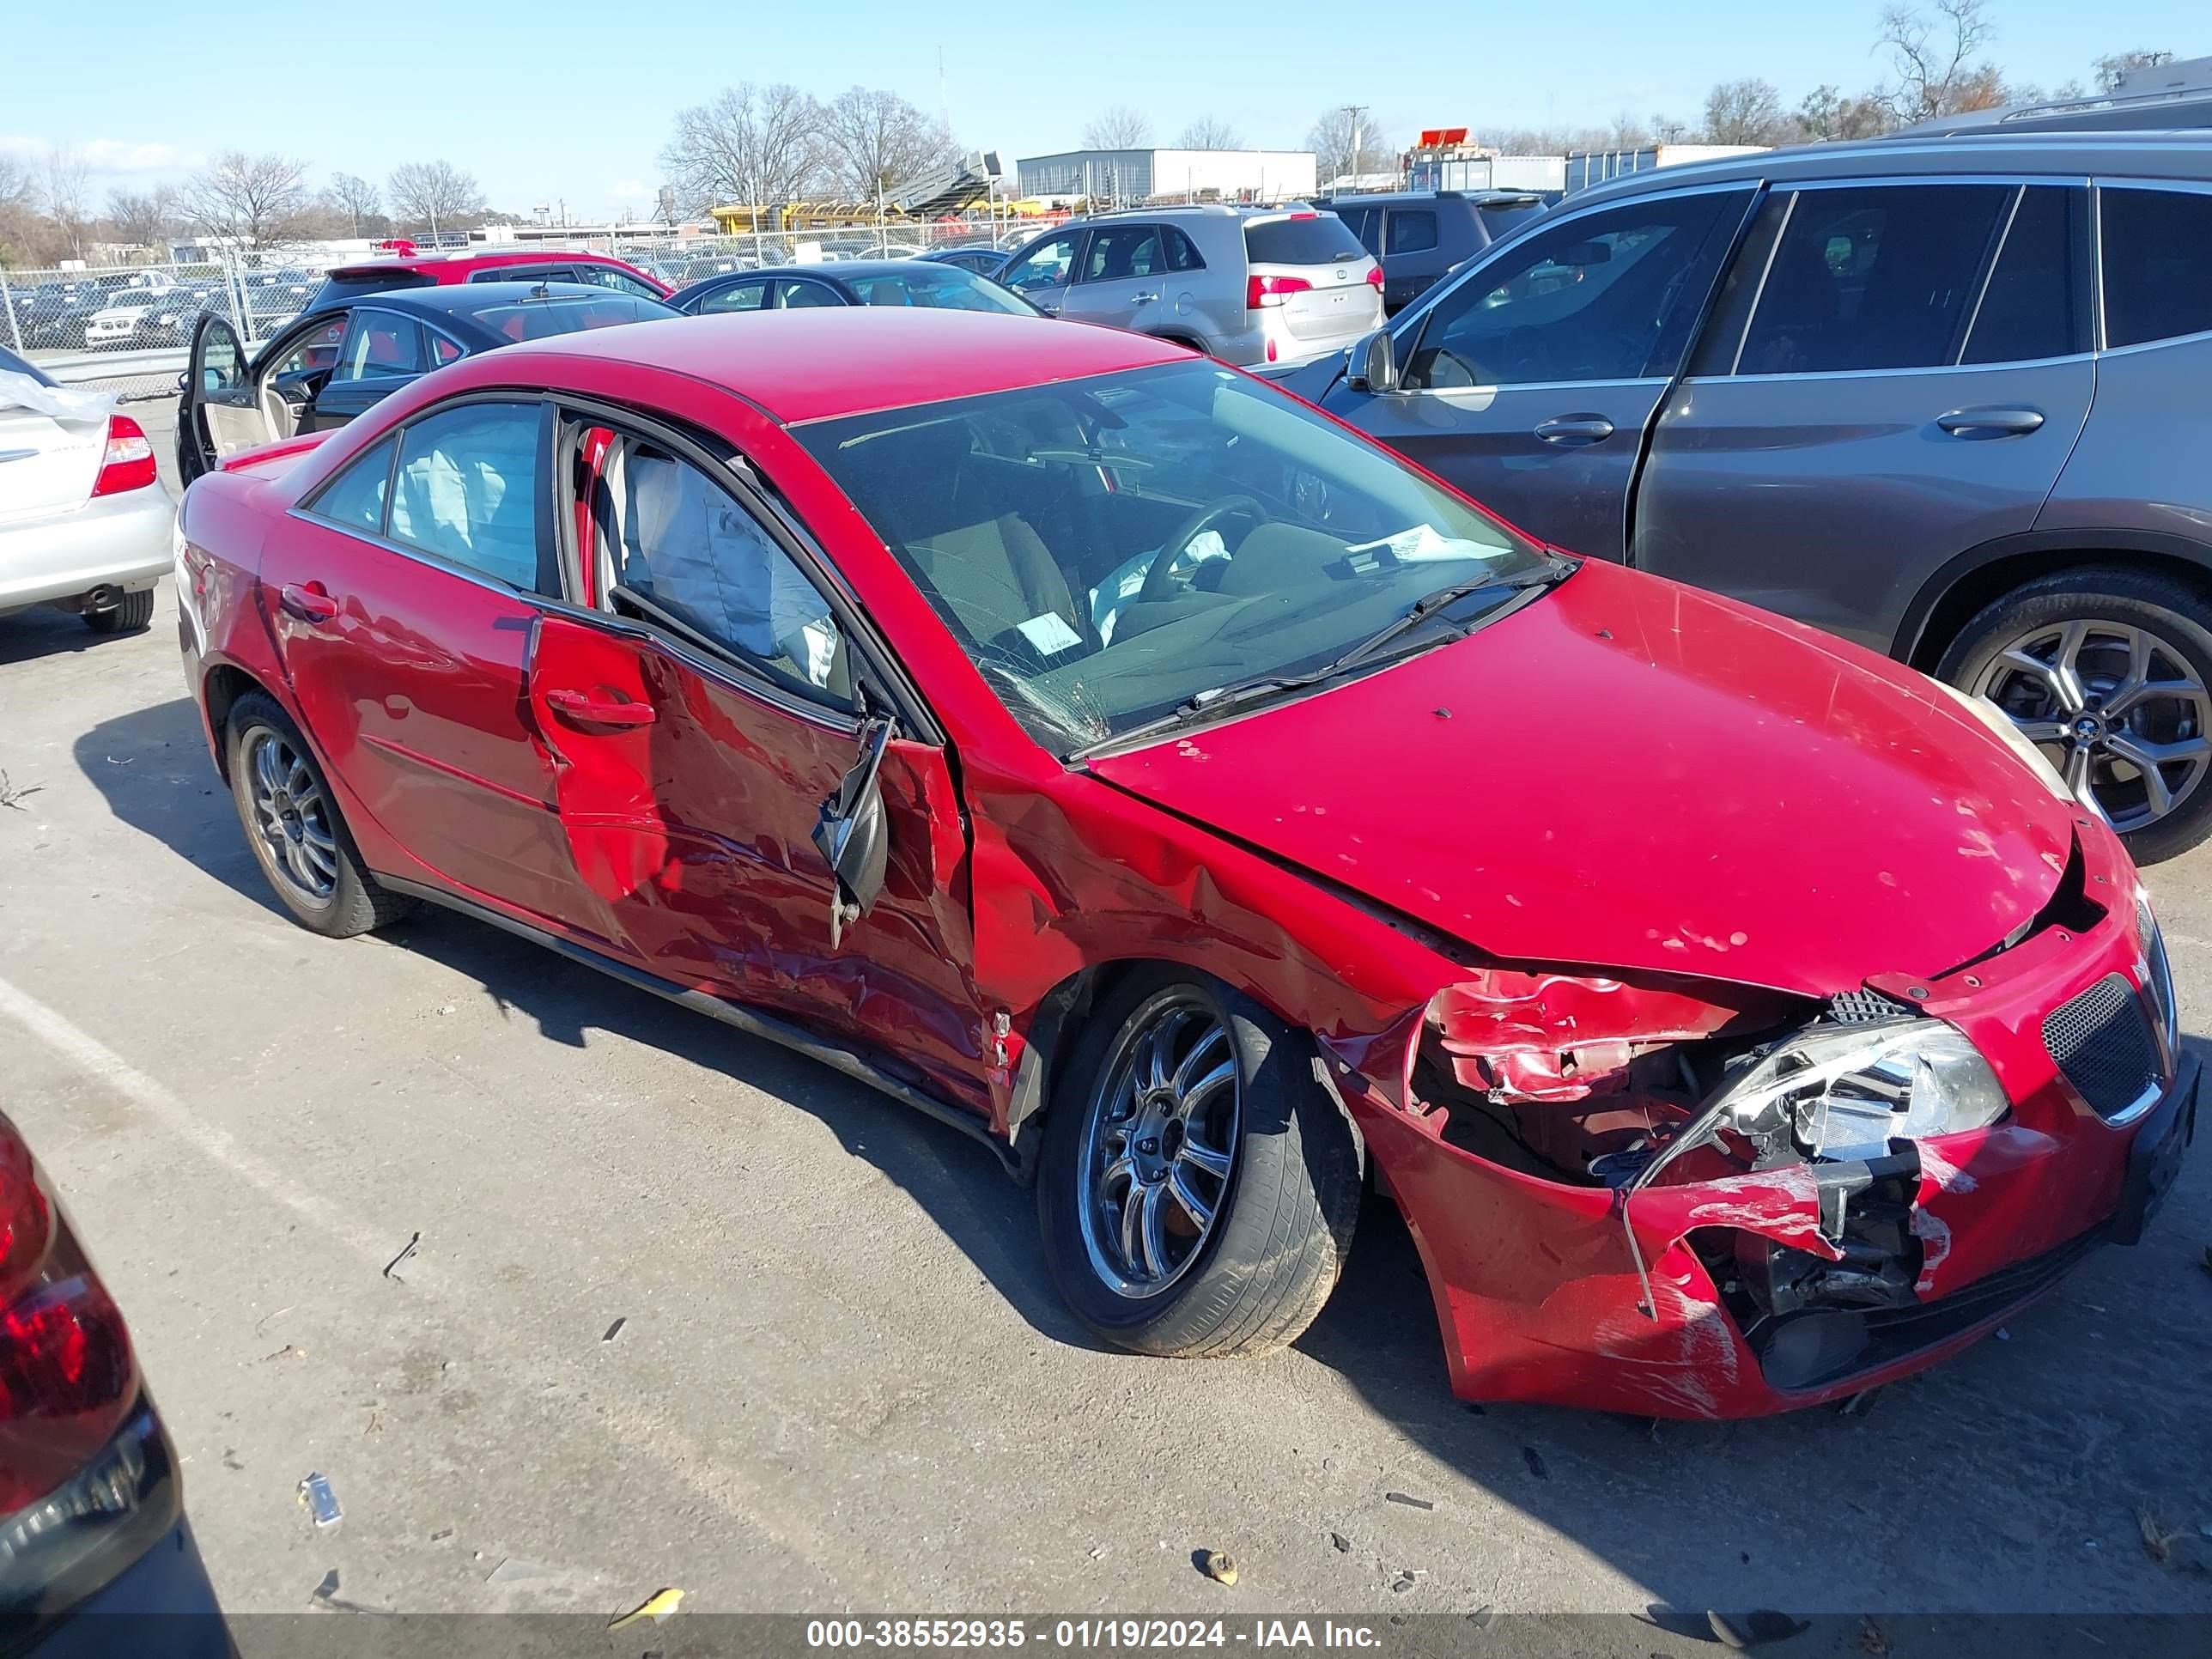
x=2119 y=712
x=1160 y=1144
x=297 y=841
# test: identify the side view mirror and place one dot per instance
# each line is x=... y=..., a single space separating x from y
x=854 y=835
x=1374 y=365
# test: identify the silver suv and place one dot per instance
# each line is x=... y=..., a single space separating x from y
x=1945 y=398
x=1277 y=286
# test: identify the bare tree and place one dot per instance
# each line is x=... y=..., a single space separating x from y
x=247 y=201
x=1210 y=132
x=877 y=141
x=66 y=194
x=1934 y=50
x=141 y=218
x=18 y=229
x=1118 y=128
x=1347 y=141
x=353 y=199
x=433 y=195
x=755 y=144
x=1828 y=114
x=2110 y=70
x=1747 y=111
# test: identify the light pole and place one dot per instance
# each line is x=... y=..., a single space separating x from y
x=1355 y=111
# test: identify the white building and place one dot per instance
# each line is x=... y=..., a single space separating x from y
x=1145 y=175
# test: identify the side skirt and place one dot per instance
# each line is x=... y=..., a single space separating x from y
x=751 y=1021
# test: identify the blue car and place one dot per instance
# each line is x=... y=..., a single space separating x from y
x=983 y=261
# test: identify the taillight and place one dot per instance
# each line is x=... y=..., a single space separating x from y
x=1375 y=276
x=1260 y=291
x=67 y=1378
x=129 y=462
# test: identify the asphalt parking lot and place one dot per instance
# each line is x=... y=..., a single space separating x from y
x=841 y=1378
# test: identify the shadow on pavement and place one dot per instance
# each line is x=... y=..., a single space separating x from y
x=2010 y=1476
x=152 y=769
x=44 y=633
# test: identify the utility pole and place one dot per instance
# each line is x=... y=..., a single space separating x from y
x=1357 y=112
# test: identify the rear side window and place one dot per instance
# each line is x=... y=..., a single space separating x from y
x=468 y=490
x=1880 y=277
x=1412 y=230
x=1365 y=223
x=355 y=498
x=738 y=296
x=2037 y=304
x=1318 y=238
x=1182 y=255
x=620 y=281
x=2158 y=264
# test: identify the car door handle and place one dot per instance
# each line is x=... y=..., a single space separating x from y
x=1575 y=429
x=2000 y=423
x=1142 y=298
x=578 y=709
x=309 y=602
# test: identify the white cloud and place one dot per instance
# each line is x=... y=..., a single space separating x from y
x=106 y=154
x=119 y=156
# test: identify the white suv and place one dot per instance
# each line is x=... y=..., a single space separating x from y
x=1248 y=285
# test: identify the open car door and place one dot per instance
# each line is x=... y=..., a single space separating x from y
x=217 y=412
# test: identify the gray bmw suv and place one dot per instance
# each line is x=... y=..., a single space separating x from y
x=1948 y=397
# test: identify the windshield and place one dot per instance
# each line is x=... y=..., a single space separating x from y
x=942 y=286
x=1108 y=548
x=537 y=319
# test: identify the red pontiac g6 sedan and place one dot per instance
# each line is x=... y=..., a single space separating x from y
x=1111 y=756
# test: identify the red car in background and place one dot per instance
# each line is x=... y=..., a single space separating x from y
x=1105 y=753
x=384 y=274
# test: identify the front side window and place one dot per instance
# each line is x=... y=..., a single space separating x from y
x=1878 y=277
x=1107 y=548
x=315 y=350
x=670 y=545
x=1045 y=265
x=468 y=489
x=2158 y=264
x=1607 y=296
x=380 y=345
x=355 y=497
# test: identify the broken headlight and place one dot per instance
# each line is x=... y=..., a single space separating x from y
x=1846 y=1091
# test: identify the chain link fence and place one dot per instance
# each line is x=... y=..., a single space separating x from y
x=126 y=329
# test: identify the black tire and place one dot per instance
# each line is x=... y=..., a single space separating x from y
x=2175 y=616
x=1284 y=1215
x=130 y=615
x=355 y=904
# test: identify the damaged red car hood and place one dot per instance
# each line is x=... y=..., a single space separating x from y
x=1631 y=774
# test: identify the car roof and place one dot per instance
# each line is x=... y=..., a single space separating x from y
x=465 y=298
x=482 y=257
x=818 y=364
x=2177 y=155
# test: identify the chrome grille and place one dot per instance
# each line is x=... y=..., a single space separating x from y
x=2102 y=1042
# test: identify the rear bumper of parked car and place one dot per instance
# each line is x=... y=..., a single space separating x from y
x=111 y=541
x=1544 y=1292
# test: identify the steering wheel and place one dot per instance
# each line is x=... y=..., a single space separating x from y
x=1178 y=544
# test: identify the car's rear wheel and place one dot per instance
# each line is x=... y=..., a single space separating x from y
x=128 y=615
x=2109 y=672
x=1198 y=1185
x=292 y=824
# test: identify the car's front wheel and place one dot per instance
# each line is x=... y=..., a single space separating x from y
x=292 y=824
x=2107 y=673
x=1198 y=1185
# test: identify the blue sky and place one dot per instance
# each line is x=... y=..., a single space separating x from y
x=572 y=98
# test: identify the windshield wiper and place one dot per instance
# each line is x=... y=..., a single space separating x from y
x=1220 y=699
